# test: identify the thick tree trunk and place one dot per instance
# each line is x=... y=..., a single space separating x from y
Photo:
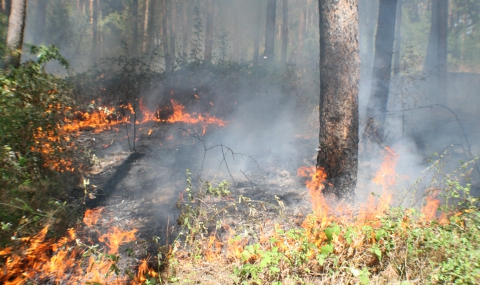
x=436 y=58
x=270 y=31
x=398 y=39
x=40 y=21
x=285 y=31
x=339 y=78
x=135 y=27
x=209 y=32
x=256 y=38
x=382 y=69
x=15 y=32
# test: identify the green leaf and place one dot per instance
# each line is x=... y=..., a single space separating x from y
x=334 y=229
x=327 y=249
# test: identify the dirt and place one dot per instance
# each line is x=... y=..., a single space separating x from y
x=140 y=189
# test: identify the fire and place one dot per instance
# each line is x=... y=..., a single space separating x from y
x=92 y=215
x=386 y=175
x=315 y=187
x=61 y=261
x=116 y=237
x=430 y=209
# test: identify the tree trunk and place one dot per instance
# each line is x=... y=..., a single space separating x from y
x=301 y=32
x=339 y=78
x=269 y=54
x=171 y=32
x=40 y=21
x=285 y=31
x=151 y=26
x=398 y=39
x=145 y=25
x=94 y=23
x=256 y=38
x=382 y=68
x=209 y=32
x=185 y=29
x=367 y=14
x=15 y=32
x=135 y=27
x=436 y=58
x=166 y=47
x=6 y=7
x=236 y=34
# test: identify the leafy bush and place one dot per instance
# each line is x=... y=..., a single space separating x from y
x=33 y=147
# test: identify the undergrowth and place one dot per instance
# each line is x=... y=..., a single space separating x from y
x=399 y=245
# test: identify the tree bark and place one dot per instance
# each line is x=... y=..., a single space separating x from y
x=436 y=58
x=40 y=21
x=15 y=32
x=382 y=69
x=256 y=38
x=339 y=78
x=398 y=39
x=269 y=54
x=285 y=31
x=209 y=32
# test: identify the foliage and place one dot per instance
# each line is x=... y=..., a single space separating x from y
x=33 y=148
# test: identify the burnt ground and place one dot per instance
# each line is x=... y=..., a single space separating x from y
x=140 y=189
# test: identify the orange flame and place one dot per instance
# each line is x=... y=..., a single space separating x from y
x=92 y=215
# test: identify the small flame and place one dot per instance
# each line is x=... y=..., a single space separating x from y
x=92 y=215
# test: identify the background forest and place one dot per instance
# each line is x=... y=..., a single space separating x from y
x=245 y=77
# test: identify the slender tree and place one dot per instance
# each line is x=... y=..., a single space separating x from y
x=398 y=38
x=256 y=36
x=436 y=58
x=135 y=27
x=285 y=31
x=40 y=18
x=301 y=32
x=236 y=33
x=171 y=12
x=270 y=31
x=146 y=21
x=166 y=46
x=209 y=32
x=185 y=27
x=339 y=78
x=15 y=32
x=382 y=69
x=6 y=7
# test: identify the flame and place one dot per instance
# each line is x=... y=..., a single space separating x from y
x=430 y=209
x=315 y=187
x=150 y=132
x=92 y=215
x=386 y=175
x=116 y=237
x=59 y=261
